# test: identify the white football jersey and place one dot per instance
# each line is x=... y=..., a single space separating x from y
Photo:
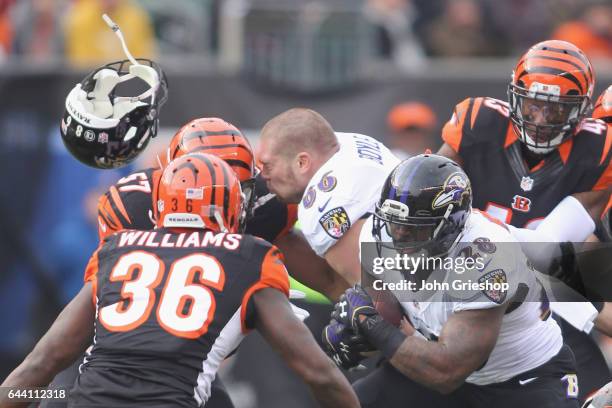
x=525 y=341
x=344 y=189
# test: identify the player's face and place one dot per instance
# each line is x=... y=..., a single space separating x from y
x=409 y=237
x=279 y=174
x=542 y=113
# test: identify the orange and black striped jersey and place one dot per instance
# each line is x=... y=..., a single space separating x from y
x=129 y=205
x=503 y=185
x=170 y=306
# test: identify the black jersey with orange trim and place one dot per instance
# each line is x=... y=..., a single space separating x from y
x=129 y=205
x=170 y=306
x=503 y=185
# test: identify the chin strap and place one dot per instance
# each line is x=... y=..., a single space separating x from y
x=219 y=220
x=137 y=70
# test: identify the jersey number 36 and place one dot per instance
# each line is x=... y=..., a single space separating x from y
x=138 y=295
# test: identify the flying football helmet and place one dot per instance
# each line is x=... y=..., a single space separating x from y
x=549 y=94
x=199 y=191
x=424 y=205
x=222 y=139
x=603 y=106
x=104 y=130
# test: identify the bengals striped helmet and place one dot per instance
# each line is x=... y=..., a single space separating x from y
x=224 y=140
x=549 y=94
x=603 y=106
x=199 y=191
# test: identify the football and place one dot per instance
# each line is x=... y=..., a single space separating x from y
x=388 y=306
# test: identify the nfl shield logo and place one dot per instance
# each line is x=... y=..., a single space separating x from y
x=526 y=183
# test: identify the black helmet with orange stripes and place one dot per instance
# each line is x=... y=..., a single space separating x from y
x=603 y=106
x=224 y=140
x=199 y=191
x=549 y=94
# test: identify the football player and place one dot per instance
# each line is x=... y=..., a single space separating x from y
x=128 y=203
x=463 y=348
x=603 y=111
x=335 y=177
x=537 y=161
x=165 y=307
x=603 y=107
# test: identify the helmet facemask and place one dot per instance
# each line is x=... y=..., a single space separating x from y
x=248 y=192
x=415 y=236
x=562 y=113
x=104 y=130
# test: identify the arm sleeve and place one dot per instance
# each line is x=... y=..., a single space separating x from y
x=554 y=229
x=473 y=123
x=581 y=315
x=109 y=221
x=322 y=229
x=92 y=267
x=452 y=132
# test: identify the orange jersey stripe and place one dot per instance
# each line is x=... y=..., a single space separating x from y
x=92 y=266
x=273 y=275
x=537 y=166
x=108 y=222
x=475 y=109
x=607 y=145
x=119 y=203
x=565 y=149
x=291 y=219
x=453 y=129
x=605 y=180
x=510 y=136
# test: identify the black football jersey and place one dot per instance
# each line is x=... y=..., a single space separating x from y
x=129 y=205
x=503 y=185
x=271 y=217
x=170 y=307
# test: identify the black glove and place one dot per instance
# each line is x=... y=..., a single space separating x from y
x=355 y=309
x=566 y=268
x=344 y=346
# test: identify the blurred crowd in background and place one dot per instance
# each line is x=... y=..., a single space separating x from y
x=405 y=31
x=309 y=52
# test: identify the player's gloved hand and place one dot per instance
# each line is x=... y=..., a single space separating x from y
x=355 y=309
x=344 y=346
x=355 y=302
